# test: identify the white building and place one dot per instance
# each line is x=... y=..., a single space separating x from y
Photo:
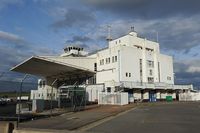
x=129 y=64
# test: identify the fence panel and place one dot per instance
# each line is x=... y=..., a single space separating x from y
x=113 y=98
x=190 y=96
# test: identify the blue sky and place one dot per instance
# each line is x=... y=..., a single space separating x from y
x=45 y=27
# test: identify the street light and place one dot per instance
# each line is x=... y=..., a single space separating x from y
x=19 y=103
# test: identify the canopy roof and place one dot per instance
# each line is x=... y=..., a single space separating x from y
x=47 y=67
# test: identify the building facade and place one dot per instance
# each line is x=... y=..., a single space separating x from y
x=129 y=64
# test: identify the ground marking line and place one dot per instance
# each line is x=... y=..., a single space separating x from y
x=103 y=120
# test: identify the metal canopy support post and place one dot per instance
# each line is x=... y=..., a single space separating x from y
x=19 y=103
x=52 y=94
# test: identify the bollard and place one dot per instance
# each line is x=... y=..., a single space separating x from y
x=6 y=127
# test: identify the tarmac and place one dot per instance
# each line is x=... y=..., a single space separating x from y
x=175 y=117
x=75 y=120
x=102 y=118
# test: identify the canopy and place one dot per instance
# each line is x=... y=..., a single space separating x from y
x=47 y=67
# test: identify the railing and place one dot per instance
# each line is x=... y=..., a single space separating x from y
x=156 y=85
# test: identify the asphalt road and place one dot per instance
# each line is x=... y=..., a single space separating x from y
x=167 y=118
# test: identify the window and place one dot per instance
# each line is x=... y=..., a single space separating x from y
x=150 y=80
x=107 y=60
x=102 y=62
x=129 y=74
x=149 y=49
x=150 y=63
x=159 y=71
x=169 y=78
x=119 y=41
x=108 y=89
x=141 y=70
x=95 y=66
x=126 y=74
x=150 y=72
x=138 y=47
x=115 y=58
x=40 y=83
x=43 y=83
x=116 y=42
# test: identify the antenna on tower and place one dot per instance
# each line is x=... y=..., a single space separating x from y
x=156 y=36
x=132 y=29
x=109 y=38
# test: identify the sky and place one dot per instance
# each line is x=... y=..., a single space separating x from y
x=45 y=27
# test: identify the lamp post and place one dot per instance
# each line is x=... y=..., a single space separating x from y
x=1 y=75
x=19 y=103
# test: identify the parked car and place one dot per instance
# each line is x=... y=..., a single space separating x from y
x=3 y=101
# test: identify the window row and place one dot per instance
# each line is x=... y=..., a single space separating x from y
x=42 y=84
x=169 y=78
x=48 y=95
x=108 y=60
x=128 y=74
x=116 y=41
x=150 y=79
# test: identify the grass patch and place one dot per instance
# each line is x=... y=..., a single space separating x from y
x=13 y=94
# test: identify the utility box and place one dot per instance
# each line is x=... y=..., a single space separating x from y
x=169 y=98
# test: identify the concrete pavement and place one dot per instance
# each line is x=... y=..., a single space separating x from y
x=72 y=121
x=177 y=117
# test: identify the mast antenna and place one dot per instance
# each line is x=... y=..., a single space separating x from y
x=109 y=38
x=157 y=36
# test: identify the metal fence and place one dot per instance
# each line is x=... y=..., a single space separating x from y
x=113 y=98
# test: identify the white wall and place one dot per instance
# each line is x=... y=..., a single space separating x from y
x=189 y=96
x=113 y=98
x=129 y=63
x=93 y=91
x=166 y=69
x=44 y=92
x=137 y=95
x=146 y=95
x=107 y=72
x=130 y=49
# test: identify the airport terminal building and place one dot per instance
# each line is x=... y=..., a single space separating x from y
x=130 y=64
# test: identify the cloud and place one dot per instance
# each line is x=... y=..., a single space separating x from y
x=15 y=49
x=174 y=34
x=85 y=42
x=9 y=37
x=187 y=71
x=190 y=65
x=79 y=39
x=75 y=18
x=147 y=9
